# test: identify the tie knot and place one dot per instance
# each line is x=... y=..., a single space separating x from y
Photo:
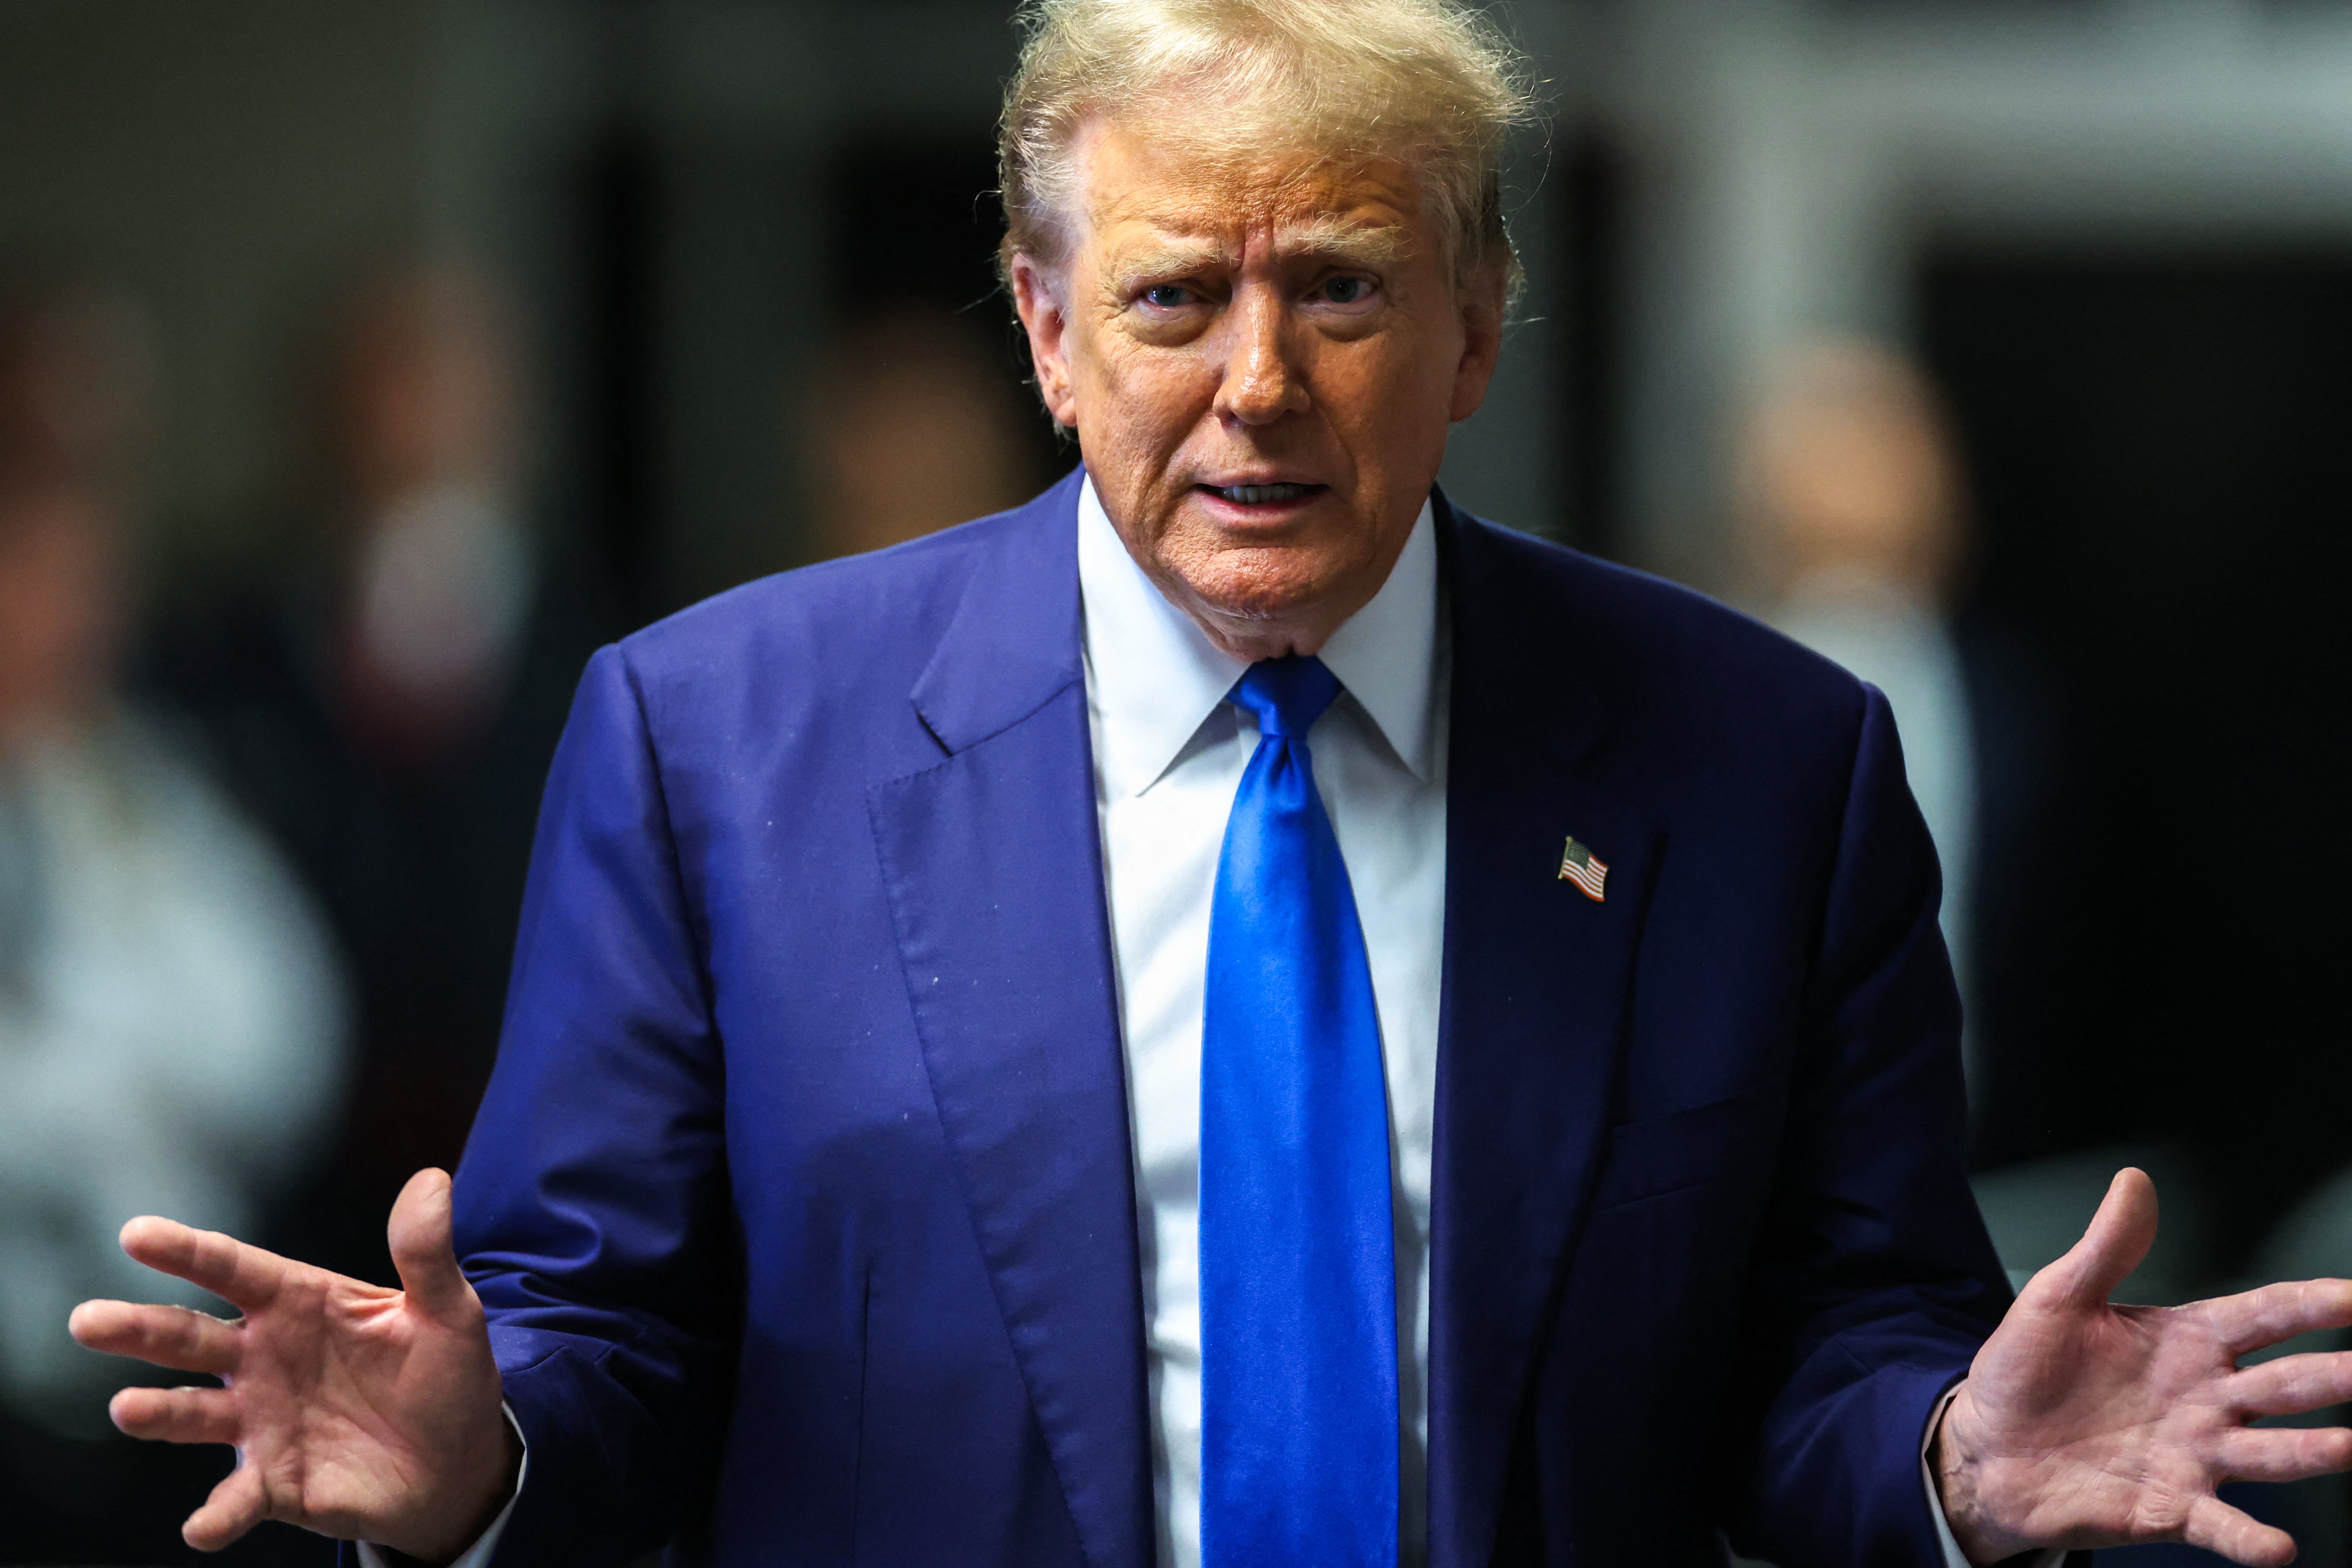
x=1287 y=694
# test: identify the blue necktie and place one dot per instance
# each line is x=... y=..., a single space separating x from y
x=1298 y=1367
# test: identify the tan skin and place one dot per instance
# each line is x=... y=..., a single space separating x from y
x=1300 y=322
x=1297 y=324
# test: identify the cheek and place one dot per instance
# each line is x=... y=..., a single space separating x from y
x=1385 y=394
x=1144 y=401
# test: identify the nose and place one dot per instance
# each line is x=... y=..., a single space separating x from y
x=1261 y=383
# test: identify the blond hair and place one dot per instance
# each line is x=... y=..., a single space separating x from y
x=1430 y=81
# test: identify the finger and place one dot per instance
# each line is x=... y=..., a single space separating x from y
x=2293 y=1384
x=245 y=1277
x=2284 y=1453
x=175 y=1337
x=423 y=1250
x=176 y=1415
x=236 y=1505
x=2257 y=1317
x=2118 y=1237
x=2217 y=1527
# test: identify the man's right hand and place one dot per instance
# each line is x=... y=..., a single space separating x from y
x=357 y=1411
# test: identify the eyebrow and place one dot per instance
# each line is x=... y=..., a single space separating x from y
x=1328 y=238
x=1378 y=245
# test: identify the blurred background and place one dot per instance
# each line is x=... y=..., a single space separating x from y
x=363 y=368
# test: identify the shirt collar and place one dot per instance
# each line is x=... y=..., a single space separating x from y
x=1155 y=677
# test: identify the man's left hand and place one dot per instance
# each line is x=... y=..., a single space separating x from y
x=2084 y=1423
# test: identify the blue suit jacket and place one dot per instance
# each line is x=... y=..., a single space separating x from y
x=801 y=1199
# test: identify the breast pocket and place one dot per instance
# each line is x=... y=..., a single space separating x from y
x=1656 y=1155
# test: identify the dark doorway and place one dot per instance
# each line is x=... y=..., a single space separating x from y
x=2161 y=449
x=916 y=219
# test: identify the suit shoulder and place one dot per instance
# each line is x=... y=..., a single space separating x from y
x=826 y=653
x=868 y=597
x=1677 y=659
x=1672 y=632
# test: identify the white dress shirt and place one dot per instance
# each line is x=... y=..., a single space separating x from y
x=1169 y=757
x=1169 y=754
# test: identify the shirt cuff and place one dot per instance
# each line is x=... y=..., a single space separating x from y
x=1953 y=1556
x=478 y=1556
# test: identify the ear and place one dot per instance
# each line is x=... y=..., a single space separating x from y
x=1037 y=294
x=1480 y=300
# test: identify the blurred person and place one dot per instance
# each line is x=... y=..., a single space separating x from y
x=1855 y=506
x=1854 y=516
x=912 y=422
x=429 y=444
x=168 y=1008
x=1189 y=1020
x=1854 y=510
x=171 y=1019
x=387 y=699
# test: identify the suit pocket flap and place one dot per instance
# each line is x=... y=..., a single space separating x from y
x=1680 y=1149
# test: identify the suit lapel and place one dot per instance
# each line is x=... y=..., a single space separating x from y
x=992 y=864
x=1537 y=981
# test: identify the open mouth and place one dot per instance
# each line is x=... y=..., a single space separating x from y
x=1263 y=495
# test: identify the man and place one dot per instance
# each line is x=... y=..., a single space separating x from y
x=1530 y=1054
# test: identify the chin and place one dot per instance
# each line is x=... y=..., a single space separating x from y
x=1266 y=584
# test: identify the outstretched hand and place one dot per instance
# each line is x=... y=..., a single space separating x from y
x=356 y=1411
x=2084 y=1423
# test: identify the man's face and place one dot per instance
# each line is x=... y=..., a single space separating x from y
x=1261 y=367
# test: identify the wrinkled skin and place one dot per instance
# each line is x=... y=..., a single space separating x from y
x=1301 y=321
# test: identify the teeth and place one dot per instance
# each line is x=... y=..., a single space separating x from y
x=1260 y=495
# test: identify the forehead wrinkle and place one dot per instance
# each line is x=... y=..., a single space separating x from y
x=1168 y=182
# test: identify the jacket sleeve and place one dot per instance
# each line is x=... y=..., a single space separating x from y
x=1874 y=1282
x=591 y=1206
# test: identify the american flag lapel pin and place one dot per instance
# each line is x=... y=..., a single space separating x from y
x=1587 y=871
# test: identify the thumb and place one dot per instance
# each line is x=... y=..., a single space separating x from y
x=2117 y=1241
x=422 y=1248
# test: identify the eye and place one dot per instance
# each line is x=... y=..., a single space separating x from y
x=1168 y=296
x=1347 y=289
